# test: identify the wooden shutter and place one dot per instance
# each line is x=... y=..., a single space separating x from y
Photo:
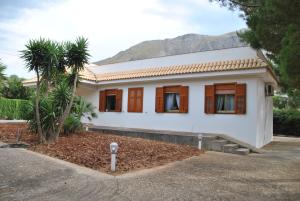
x=102 y=101
x=240 y=99
x=135 y=100
x=184 y=99
x=119 y=93
x=139 y=99
x=159 y=100
x=209 y=105
x=131 y=100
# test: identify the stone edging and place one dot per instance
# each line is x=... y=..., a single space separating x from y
x=2 y=121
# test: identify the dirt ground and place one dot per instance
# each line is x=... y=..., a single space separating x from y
x=91 y=149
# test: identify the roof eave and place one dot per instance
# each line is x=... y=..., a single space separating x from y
x=204 y=75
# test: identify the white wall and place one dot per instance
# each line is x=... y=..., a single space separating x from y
x=242 y=127
x=264 y=116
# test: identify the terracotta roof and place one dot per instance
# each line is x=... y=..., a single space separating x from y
x=85 y=74
x=242 y=64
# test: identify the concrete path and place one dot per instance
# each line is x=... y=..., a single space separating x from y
x=274 y=175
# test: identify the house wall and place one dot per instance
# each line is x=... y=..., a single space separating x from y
x=249 y=128
x=264 y=116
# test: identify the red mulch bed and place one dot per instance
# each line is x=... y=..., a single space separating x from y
x=91 y=149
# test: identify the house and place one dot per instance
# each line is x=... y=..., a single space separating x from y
x=225 y=91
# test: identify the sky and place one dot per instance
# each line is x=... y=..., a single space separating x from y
x=110 y=25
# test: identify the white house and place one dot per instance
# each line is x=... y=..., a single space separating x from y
x=226 y=91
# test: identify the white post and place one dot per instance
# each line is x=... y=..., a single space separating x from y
x=200 y=141
x=113 y=150
x=113 y=162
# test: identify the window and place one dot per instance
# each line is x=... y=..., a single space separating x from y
x=225 y=103
x=172 y=102
x=110 y=103
x=225 y=98
x=110 y=100
x=172 y=99
x=135 y=99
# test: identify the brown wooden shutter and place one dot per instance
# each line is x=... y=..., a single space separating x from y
x=159 y=100
x=184 y=99
x=209 y=105
x=102 y=101
x=135 y=100
x=119 y=93
x=131 y=100
x=240 y=99
x=139 y=100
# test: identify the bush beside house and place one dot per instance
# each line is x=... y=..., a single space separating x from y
x=286 y=121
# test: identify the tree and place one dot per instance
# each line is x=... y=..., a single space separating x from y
x=57 y=66
x=289 y=57
x=2 y=75
x=13 y=88
x=274 y=25
x=50 y=64
x=77 y=56
x=53 y=105
x=38 y=57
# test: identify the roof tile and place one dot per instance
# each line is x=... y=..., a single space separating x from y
x=243 y=64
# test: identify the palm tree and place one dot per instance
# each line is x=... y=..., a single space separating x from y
x=80 y=109
x=48 y=59
x=39 y=57
x=77 y=56
x=51 y=62
x=84 y=109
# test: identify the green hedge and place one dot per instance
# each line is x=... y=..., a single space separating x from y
x=286 y=122
x=12 y=108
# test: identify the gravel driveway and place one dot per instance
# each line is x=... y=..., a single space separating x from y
x=274 y=175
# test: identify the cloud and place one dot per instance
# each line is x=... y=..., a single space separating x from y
x=110 y=26
x=12 y=9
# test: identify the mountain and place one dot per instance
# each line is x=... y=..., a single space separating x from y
x=180 y=45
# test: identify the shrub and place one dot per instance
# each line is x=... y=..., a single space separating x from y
x=52 y=106
x=80 y=109
x=287 y=100
x=72 y=124
x=12 y=108
x=14 y=89
x=286 y=122
x=280 y=102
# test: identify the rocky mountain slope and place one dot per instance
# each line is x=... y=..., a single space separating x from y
x=182 y=44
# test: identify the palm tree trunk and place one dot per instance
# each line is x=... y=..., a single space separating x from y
x=37 y=110
x=48 y=83
x=67 y=110
x=47 y=87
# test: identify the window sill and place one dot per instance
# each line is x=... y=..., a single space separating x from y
x=112 y=111
x=172 y=111
x=225 y=112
